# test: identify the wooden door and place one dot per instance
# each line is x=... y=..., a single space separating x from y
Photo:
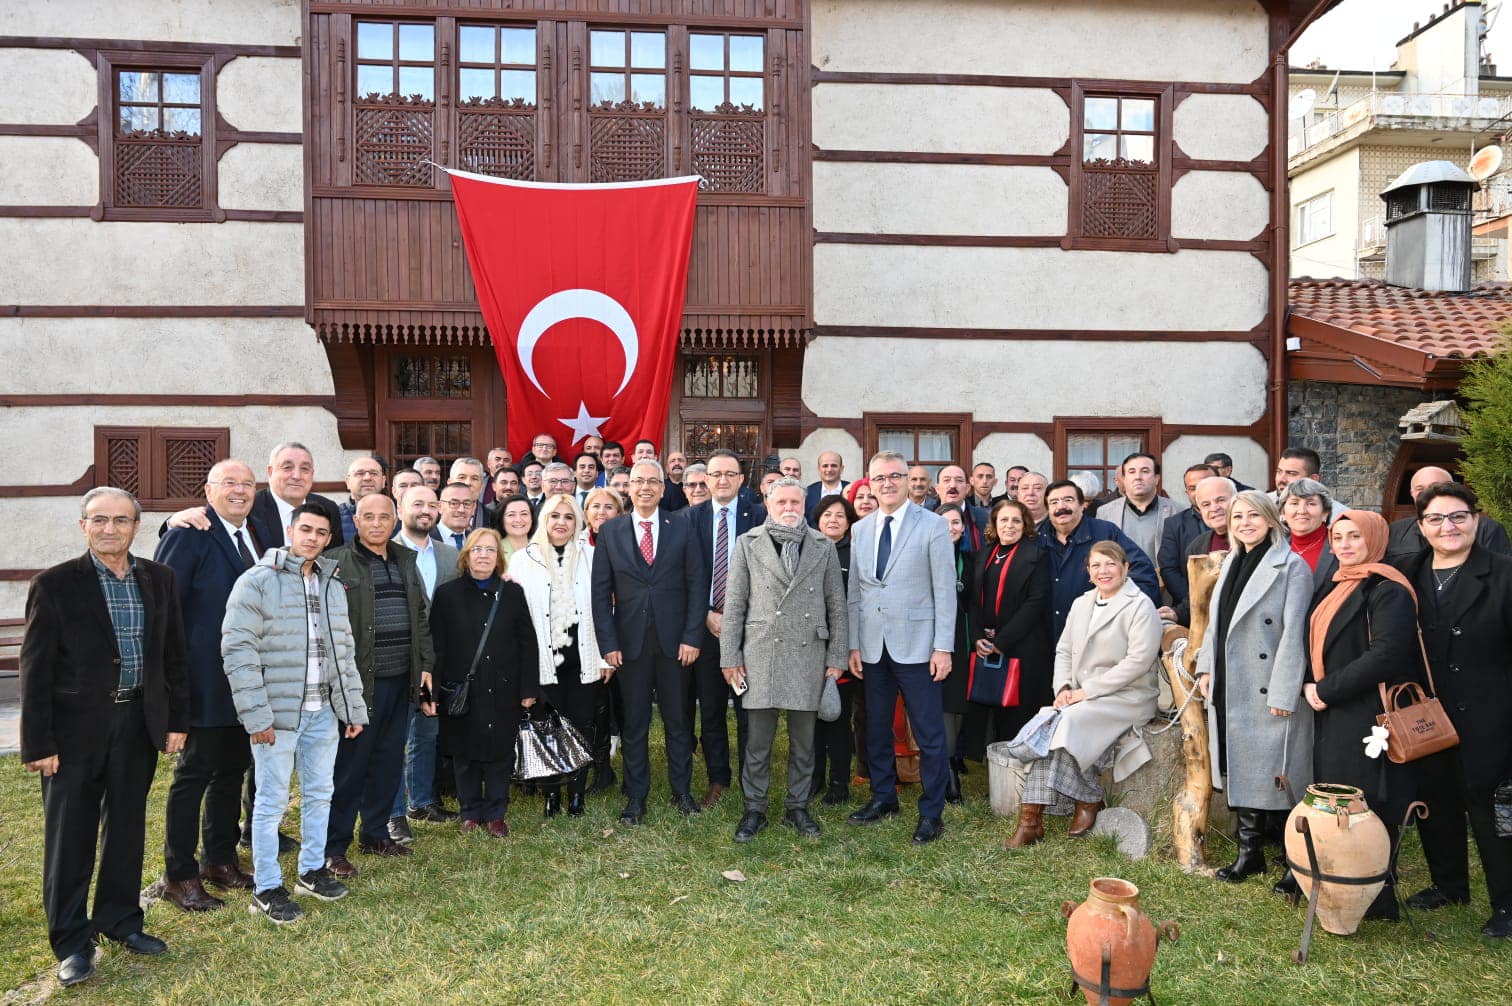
x=444 y=403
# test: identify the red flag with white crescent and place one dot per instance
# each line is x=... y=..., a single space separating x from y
x=582 y=289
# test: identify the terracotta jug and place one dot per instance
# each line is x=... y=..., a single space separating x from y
x=1110 y=924
x=1350 y=841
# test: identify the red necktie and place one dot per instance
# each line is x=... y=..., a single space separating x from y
x=648 y=551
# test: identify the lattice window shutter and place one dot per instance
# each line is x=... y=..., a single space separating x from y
x=121 y=458
x=729 y=151
x=184 y=462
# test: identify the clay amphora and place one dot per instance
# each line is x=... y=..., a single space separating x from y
x=1350 y=841
x=1110 y=923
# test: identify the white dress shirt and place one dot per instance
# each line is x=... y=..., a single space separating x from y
x=425 y=560
x=243 y=533
x=897 y=525
x=655 y=521
x=285 y=517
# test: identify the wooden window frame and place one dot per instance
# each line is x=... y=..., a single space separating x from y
x=1164 y=96
x=628 y=69
x=498 y=65
x=395 y=62
x=108 y=64
x=872 y=424
x=152 y=459
x=1150 y=427
x=725 y=73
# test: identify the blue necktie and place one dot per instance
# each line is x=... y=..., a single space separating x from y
x=458 y=538
x=884 y=546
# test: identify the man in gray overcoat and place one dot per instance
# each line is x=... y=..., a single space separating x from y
x=784 y=631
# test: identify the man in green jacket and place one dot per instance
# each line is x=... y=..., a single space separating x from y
x=391 y=631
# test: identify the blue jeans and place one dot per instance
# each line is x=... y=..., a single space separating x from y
x=419 y=764
x=312 y=750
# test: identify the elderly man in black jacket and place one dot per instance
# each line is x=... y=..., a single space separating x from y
x=1407 y=539
x=103 y=689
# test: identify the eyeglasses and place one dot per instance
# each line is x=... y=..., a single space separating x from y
x=484 y=550
x=888 y=477
x=1458 y=518
x=459 y=504
x=645 y=482
x=229 y=484
x=543 y=445
x=99 y=521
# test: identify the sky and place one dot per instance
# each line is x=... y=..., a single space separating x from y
x=1356 y=31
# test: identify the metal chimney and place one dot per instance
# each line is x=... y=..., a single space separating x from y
x=1428 y=227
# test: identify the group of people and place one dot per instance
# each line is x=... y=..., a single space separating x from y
x=277 y=630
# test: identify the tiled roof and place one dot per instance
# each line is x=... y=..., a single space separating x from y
x=1438 y=325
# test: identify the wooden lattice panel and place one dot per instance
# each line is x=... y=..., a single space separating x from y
x=154 y=171
x=393 y=141
x=1120 y=204
x=627 y=146
x=124 y=464
x=187 y=462
x=497 y=140
x=729 y=152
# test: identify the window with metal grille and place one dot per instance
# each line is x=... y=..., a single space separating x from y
x=164 y=467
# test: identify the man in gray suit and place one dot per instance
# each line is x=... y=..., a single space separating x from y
x=902 y=631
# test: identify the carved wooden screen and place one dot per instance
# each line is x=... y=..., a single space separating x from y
x=158 y=143
x=496 y=100
x=165 y=468
x=726 y=95
x=628 y=115
x=395 y=103
x=1121 y=176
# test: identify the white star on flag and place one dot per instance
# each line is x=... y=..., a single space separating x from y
x=584 y=425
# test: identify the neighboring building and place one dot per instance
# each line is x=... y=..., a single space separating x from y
x=1040 y=232
x=1440 y=99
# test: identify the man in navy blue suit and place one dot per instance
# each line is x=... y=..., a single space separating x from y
x=831 y=466
x=215 y=757
x=716 y=523
x=650 y=596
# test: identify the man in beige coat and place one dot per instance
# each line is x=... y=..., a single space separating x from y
x=785 y=630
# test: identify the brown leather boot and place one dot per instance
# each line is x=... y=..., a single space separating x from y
x=1084 y=818
x=1031 y=826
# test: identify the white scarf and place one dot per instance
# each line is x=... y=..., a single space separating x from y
x=563 y=602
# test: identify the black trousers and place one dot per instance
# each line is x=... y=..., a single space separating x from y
x=650 y=672
x=97 y=794
x=209 y=776
x=713 y=695
x=483 y=788
x=1441 y=781
x=369 y=767
x=833 y=744
x=576 y=702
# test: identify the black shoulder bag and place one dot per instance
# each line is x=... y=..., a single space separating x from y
x=454 y=694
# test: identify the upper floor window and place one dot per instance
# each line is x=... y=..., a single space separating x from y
x=727 y=93
x=395 y=107
x=157 y=136
x=627 y=126
x=628 y=66
x=1121 y=171
x=726 y=70
x=496 y=65
x=395 y=58
x=1314 y=219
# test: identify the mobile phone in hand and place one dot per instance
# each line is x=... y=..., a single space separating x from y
x=741 y=687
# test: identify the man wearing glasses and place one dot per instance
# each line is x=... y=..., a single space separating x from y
x=104 y=687
x=457 y=509
x=469 y=472
x=544 y=449
x=1407 y=538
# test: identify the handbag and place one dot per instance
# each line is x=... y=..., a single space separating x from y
x=994 y=680
x=454 y=694
x=1415 y=721
x=1501 y=809
x=829 y=700
x=549 y=747
x=1033 y=741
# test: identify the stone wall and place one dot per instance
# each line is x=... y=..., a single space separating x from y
x=1353 y=427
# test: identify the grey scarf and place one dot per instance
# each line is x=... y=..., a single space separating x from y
x=791 y=540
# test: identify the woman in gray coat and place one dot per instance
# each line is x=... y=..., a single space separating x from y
x=1105 y=684
x=1250 y=670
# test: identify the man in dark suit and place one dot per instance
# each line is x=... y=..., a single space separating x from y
x=103 y=689
x=831 y=466
x=291 y=475
x=673 y=497
x=217 y=754
x=650 y=596
x=1407 y=541
x=716 y=523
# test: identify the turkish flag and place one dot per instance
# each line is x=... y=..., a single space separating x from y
x=582 y=289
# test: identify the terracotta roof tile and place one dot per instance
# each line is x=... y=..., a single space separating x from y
x=1444 y=325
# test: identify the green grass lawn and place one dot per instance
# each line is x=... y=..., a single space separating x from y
x=581 y=910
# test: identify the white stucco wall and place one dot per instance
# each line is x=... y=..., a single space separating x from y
x=1334 y=255
x=48 y=171
x=167 y=356
x=1214 y=40
x=1005 y=450
x=47 y=86
x=262 y=176
x=1034 y=381
x=1037 y=288
x=79 y=261
x=1221 y=127
x=939 y=118
x=822 y=440
x=1251 y=466
x=261 y=93
x=976 y=199
x=258 y=22
x=1226 y=205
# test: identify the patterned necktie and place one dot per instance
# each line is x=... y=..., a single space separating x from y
x=884 y=546
x=648 y=550
x=246 y=553
x=721 y=557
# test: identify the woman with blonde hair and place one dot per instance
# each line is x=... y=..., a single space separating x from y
x=555 y=571
x=599 y=505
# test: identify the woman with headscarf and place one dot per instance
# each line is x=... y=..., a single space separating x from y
x=1250 y=671
x=1361 y=635
x=1307 y=509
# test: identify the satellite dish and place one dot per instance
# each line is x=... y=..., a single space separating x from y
x=1485 y=163
x=1303 y=103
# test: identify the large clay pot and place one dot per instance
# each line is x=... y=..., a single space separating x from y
x=1350 y=841
x=1109 y=923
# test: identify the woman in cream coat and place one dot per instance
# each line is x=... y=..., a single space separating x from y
x=555 y=571
x=1105 y=683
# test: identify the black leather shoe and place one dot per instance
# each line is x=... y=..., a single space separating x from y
x=929 y=829
x=76 y=968
x=752 y=823
x=953 y=786
x=633 y=812
x=685 y=804
x=837 y=794
x=1288 y=887
x=1499 y=926
x=140 y=943
x=1385 y=908
x=433 y=813
x=553 y=801
x=575 y=807
x=874 y=812
x=800 y=821
x=603 y=778
x=1434 y=897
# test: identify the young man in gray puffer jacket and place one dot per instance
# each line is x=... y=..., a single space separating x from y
x=288 y=652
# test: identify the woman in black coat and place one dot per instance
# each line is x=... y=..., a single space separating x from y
x=953 y=693
x=1011 y=623
x=1363 y=634
x=834 y=742
x=482 y=742
x=1465 y=609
